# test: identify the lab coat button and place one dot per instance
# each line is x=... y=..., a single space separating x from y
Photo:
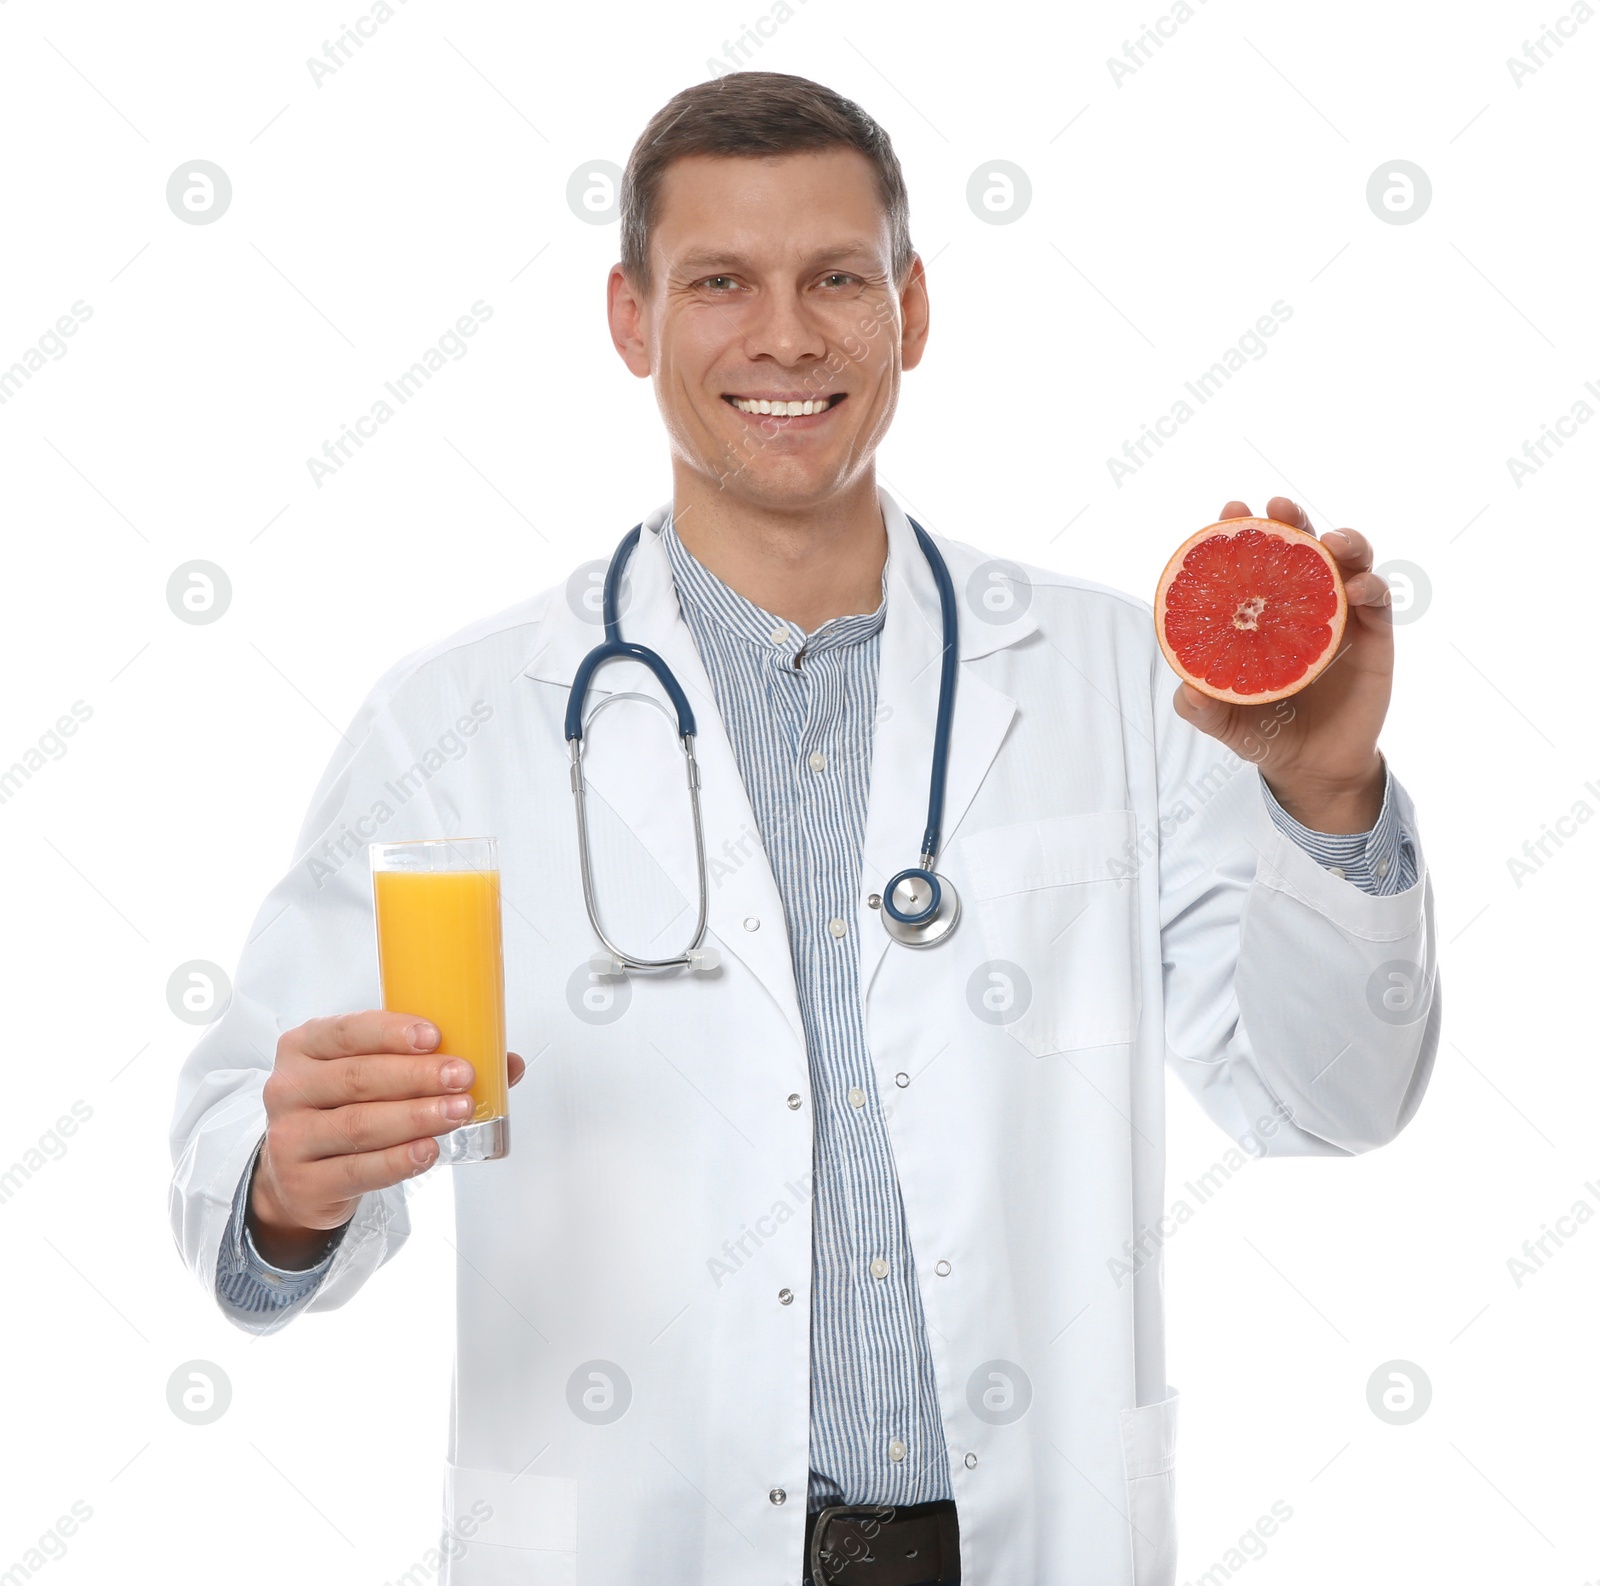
x=751 y=923
x=794 y=1102
x=902 y=1080
x=786 y=1296
x=897 y=1450
x=819 y=761
x=942 y=1268
x=838 y=927
x=778 y=1495
x=858 y=1097
x=874 y=900
x=971 y=1461
x=879 y=1267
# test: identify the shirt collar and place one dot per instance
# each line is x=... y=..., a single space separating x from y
x=703 y=596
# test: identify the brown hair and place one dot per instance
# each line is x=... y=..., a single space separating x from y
x=750 y=114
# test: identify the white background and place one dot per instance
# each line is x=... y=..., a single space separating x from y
x=1168 y=212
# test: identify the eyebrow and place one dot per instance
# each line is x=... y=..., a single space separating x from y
x=708 y=259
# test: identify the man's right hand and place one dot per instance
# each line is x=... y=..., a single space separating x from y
x=354 y=1103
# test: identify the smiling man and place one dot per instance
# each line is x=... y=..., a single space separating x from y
x=833 y=1250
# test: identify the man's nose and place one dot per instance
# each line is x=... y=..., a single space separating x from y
x=784 y=327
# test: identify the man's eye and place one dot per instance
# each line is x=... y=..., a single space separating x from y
x=710 y=280
x=838 y=275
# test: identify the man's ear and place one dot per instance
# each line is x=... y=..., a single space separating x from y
x=914 y=315
x=625 y=311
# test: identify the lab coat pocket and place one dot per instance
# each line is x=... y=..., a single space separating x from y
x=1149 y=1453
x=1055 y=905
x=508 y=1530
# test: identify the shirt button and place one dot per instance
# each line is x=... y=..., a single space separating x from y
x=858 y=1097
x=779 y=635
x=897 y=1450
x=752 y=923
x=1334 y=870
x=778 y=1495
x=942 y=1268
x=902 y=1080
x=785 y=1296
x=971 y=1462
x=838 y=927
x=879 y=1267
x=818 y=761
x=1383 y=867
x=794 y=1102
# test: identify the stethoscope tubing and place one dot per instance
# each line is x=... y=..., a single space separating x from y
x=945 y=716
x=919 y=927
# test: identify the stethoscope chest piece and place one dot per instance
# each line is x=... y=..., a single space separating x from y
x=920 y=908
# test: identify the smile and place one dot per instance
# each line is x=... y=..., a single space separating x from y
x=786 y=407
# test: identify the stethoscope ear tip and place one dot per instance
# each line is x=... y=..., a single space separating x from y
x=607 y=964
x=702 y=960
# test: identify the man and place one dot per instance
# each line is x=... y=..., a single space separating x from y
x=843 y=1222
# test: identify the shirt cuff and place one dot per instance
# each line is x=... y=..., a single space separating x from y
x=246 y=1281
x=1380 y=862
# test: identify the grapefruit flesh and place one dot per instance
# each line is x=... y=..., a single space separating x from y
x=1250 y=610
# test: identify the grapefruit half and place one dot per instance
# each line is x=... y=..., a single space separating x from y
x=1250 y=610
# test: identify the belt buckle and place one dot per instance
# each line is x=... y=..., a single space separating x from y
x=821 y=1573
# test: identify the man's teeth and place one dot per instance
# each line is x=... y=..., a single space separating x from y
x=790 y=409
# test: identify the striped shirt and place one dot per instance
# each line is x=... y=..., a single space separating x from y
x=799 y=710
x=802 y=737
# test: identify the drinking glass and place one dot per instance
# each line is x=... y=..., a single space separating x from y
x=437 y=903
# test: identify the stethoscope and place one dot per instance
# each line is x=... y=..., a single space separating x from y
x=919 y=907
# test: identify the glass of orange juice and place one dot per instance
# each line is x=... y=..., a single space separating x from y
x=437 y=903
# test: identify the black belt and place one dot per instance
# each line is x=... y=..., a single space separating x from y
x=915 y=1544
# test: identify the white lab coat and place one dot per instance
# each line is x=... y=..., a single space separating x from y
x=1125 y=862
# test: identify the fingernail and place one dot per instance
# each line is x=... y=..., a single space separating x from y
x=456 y=1106
x=455 y=1074
x=424 y=1036
x=421 y=1152
x=1340 y=535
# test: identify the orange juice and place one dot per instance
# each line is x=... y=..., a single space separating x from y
x=439 y=957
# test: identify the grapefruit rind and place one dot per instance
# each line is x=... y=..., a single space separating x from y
x=1314 y=666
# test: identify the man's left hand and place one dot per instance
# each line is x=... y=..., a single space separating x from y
x=1318 y=749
